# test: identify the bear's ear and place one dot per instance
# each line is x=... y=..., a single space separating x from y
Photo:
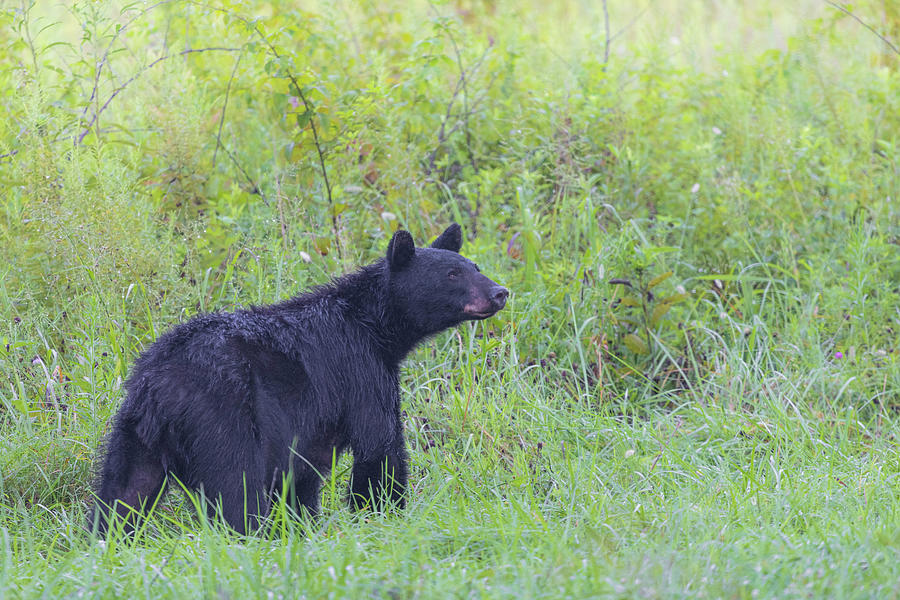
x=450 y=240
x=400 y=250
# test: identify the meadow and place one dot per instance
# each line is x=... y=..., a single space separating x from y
x=693 y=390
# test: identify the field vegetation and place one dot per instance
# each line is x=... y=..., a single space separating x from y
x=693 y=392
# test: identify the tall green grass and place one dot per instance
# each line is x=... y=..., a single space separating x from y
x=692 y=392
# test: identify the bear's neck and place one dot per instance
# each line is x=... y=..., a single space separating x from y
x=364 y=295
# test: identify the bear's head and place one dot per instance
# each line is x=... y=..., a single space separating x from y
x=435 y=288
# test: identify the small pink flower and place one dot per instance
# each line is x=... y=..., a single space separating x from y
x=839 y=355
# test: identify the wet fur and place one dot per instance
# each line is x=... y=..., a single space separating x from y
x=242 y=405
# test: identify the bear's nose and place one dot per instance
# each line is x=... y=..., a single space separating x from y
x=499 y=295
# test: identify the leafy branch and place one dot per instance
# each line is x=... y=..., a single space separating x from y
x=303 y=119
x=308 y=115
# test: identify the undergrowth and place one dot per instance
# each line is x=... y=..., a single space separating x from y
x=692 y=392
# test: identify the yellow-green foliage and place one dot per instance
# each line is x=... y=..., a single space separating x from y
x=693 y=390
x=171 y=145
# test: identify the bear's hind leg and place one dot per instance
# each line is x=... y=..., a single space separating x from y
x=307 y=492
x=132 y=480
x=237 y=497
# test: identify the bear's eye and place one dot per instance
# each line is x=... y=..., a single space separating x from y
x=453 y=274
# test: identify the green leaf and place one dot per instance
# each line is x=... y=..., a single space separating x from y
x=658 y=313
x=674 y=299
x=654 y=251
x=636 y=344
x=322 y=245
x=630 y=301
x=659 y=279
x=303 y=118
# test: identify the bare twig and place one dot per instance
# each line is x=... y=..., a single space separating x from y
x=441 y=131
x=281 y=220
x=863 y=23
x=473 y=109
x=254 y=187
x=606 y=26
x=103 y=60
x=115 y=92
x=225 y=107
x=443 y=134
x=630 y=23
x=29 y=40
x=463 y=84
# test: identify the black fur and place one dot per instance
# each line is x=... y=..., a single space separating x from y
x=242 y=405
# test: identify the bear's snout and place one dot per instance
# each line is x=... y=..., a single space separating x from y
x=499 y=294
x=485 y=303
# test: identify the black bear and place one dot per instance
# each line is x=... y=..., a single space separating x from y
x=241 y=406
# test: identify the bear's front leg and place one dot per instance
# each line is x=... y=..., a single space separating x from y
x=380 y=482
x=379 y=457
x=379 y=450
